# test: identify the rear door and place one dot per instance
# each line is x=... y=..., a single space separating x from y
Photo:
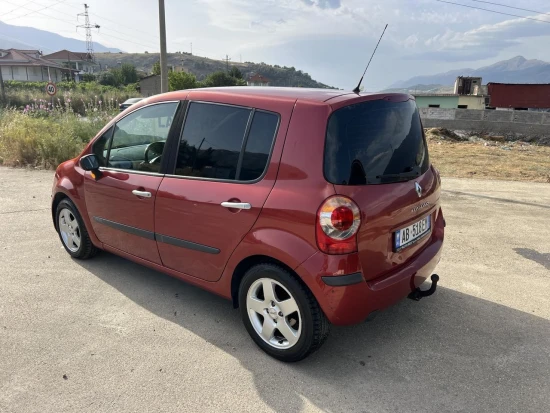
x=121 y=202
x=376 y=154
x=226 y=166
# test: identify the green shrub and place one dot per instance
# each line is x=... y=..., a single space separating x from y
x=42 y=136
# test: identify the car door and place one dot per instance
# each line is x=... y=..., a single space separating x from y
x=121 y=202
x=225 y=169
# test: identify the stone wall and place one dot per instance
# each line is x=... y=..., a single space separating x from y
x=496 y=121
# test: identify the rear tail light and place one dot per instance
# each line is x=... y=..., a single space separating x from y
x=338 y=221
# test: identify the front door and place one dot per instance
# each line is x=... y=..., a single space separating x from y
x=222 y=178
x=121 y=202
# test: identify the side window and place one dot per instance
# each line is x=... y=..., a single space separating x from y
x=139 y=138
x=212 y=141
x=258 y=145
x=101 y=147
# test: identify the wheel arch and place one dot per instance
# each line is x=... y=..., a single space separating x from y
x=249 y=262
x=60 y=196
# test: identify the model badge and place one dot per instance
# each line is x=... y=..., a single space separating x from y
x=419 y=207
x=418 y=189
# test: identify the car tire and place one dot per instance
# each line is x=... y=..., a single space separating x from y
x=73 y=232
x=301 y=333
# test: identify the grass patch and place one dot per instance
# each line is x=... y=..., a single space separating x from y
x=515 y=161
x=45 y=139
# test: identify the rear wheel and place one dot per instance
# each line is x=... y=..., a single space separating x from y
x=73 y=232
x=281 y=315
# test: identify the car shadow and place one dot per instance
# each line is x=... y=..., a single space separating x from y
x=449 y=352
x=533 y=255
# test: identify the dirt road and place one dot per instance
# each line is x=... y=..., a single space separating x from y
x=109 y=335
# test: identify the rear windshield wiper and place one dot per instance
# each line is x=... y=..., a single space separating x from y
x=408 y=173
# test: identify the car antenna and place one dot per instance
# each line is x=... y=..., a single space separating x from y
x=357 y=89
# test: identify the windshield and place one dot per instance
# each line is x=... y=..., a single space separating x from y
x=375 y=142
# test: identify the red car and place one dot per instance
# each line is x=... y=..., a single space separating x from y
x=304 y=207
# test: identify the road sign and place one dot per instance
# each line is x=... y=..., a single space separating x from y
x=51 y=89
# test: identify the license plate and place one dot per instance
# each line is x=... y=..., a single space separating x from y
x=411 y=234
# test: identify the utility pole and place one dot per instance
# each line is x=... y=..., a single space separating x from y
x=2 y=91
x=88 y=27
x=163 y=62
x=227 y=59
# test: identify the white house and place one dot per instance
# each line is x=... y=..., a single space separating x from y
x=78 y=62
x=29 y=66
x=258 y=80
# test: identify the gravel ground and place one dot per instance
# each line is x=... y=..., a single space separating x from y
x=107 y=335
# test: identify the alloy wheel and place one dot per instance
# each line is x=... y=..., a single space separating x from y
x=274 y=313
x=69 y=230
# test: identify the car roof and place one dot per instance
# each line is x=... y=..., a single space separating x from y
x=289 y=94
x=267 y=92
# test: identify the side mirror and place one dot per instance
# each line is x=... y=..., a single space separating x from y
x=89 y=162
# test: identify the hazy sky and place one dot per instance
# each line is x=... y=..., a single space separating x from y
x=330 y=39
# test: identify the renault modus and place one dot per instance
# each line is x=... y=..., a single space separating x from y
x=304 y=207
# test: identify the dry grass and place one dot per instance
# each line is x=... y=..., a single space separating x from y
x=490 y=160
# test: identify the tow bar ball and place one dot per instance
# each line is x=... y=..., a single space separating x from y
x=417 y=294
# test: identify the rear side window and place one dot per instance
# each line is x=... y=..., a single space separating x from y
x=258 y=145
x=374 y=143
x=225 y=142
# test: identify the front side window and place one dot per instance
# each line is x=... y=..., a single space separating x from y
x=101 y=147
x=138 y=139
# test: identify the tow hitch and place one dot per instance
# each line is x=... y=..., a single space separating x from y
x=417 y=294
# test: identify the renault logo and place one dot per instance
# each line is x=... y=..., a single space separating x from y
x=418 y=189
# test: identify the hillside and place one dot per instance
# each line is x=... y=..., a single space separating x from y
x=421 y=89
x=515 y=70
x=203 y=66
x=21 y=37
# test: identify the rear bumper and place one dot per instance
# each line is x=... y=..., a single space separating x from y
x=353 y=302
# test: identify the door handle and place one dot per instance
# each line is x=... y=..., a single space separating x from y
x=236 y=205
x=143 y=194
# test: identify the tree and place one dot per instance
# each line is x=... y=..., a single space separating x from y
x=88 y=77
x=236 y=73
x=181 y=80
x=156 y=68
x=109 y=78
x=222 y=79
x=128 y=73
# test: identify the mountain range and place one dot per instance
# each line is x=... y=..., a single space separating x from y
x=21 y=37
x=515 y=70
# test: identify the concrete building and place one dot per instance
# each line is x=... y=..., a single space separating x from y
x=465 y=85
x=30 y=66
x=79 y=62
x=469 y=93
x=450 y=101
x=258 y=80
x=150 y=85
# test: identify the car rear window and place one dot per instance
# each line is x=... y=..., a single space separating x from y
x=375 y=142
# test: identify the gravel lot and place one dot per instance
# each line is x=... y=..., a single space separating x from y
x=109 y=335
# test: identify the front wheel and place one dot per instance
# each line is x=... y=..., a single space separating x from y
x=73 y=232
x=280 y=314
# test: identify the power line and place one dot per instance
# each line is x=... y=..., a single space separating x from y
x=43 y=14
x=494 y=11
x=17 y=8
x=510 y=7
x=33 y=11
